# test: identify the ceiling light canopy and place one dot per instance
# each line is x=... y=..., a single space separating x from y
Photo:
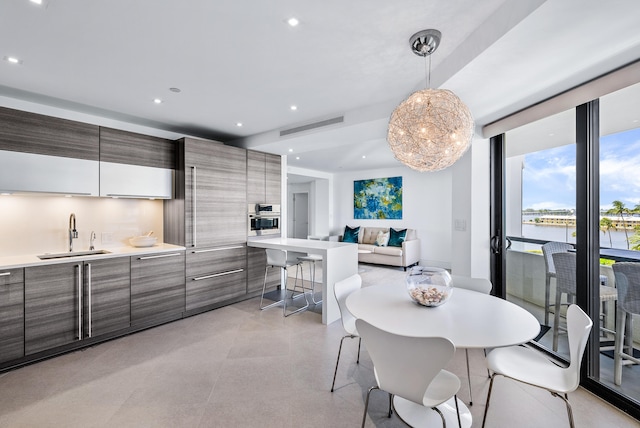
x=13 y=60
x=433 y=128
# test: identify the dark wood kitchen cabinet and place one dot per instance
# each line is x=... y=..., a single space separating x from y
x=43 y=154
x=51 y=308
x=107 y=296
x=214 y=276
x=68 y=302
x=209 y=208
x=11 y=314
x=157 y=288
x=26 y=132
x=264 y=178
x=273 y=178
x=119 y=146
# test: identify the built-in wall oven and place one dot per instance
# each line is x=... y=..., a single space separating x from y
x=264 y=219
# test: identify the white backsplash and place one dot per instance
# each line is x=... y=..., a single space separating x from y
x=40 y=224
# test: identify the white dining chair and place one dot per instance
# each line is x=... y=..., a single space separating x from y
x=481 y=285
x=278 y=259
x=341 y=290
x=529 y=366
x=410 y=369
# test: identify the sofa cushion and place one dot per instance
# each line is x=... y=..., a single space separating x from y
x=382 y=239
x=367 y=247
x=351 y=234
x=397 y=237
x=389 y=251
x=369 y=234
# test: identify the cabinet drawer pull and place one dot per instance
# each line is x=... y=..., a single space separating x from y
x=89 y=309
x=158 y=256
x=217 y=274
x=217 y=249
x=194 y=201
x=5 y=273
x=123 y=195
x=79 y=266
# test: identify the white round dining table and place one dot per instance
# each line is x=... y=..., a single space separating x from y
x=469 y=319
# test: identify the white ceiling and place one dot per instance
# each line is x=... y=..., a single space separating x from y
x=240 y=62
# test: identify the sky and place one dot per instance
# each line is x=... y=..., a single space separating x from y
x=549 y=176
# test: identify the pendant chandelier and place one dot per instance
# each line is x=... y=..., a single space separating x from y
x=433 y=128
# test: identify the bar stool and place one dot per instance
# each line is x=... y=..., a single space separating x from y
x=278 y=259
x=548 y=250
x=312 y=259
x=627 y=276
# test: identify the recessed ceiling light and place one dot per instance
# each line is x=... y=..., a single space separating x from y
x=364 y=156
x=293 y=21
x=239 y=124
x=13 y=60
x=290 y=150
x=176 y=90
x=157 y=100
x=297 y=157
x=294 y=108
x=39 y=2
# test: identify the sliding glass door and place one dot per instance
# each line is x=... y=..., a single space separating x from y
x=540 y=208
x=570 y=184
x=620 y=232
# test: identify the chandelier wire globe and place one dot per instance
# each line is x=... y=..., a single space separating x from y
x=432 y=128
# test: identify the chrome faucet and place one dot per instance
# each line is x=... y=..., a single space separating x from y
x=92 y=239
x=73 y=233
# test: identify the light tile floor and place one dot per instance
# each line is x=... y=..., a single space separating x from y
x=241 y=367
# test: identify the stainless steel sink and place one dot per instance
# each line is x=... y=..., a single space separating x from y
x=72 y=254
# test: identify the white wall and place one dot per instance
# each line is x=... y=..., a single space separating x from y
x=427 y=207
x=471 y=212
x=449 y=209
x=480 y=211
x=32 y=225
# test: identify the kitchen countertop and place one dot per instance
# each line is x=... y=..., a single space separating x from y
x=11 y=262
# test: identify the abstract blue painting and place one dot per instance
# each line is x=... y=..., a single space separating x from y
x=378 y=198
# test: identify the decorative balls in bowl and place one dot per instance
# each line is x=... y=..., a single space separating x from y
x=429 y=286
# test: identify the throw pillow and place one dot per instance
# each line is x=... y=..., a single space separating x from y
x=382 y=239
x=351 y=234
x=397 y=237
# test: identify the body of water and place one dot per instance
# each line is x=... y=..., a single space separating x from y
x=565 y=234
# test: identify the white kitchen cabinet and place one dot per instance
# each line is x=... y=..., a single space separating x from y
x=35 y=173
x=135 y=181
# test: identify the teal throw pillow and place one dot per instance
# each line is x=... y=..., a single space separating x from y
x=351 y=234
x=397 y=237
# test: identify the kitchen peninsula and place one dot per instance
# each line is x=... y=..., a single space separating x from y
x=339 y=261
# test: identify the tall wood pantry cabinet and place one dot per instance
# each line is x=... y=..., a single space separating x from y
x=264 y=185
x=209 y=217
x=264 y=178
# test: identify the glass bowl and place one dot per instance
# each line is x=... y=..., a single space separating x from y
x=429 y=286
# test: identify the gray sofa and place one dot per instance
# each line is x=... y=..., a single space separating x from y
x=368 y=252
